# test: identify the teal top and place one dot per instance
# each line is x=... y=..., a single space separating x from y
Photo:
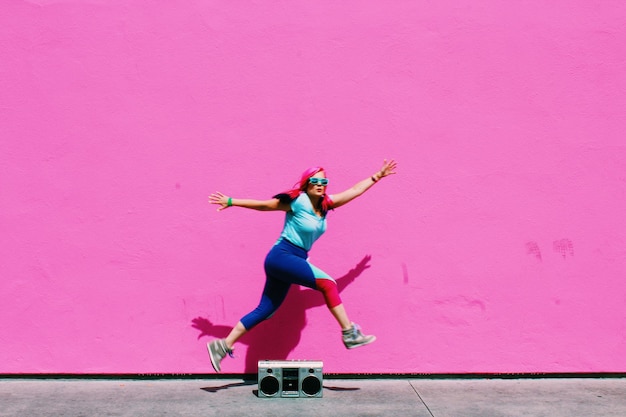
x=302 y=225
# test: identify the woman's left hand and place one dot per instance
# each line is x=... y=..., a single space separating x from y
x=389 y=168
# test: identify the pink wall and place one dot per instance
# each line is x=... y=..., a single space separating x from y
x=499 y=246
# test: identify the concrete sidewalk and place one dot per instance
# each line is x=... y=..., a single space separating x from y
x=341 y=397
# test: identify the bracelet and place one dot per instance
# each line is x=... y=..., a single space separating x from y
x=374 y=179
x=230 y=202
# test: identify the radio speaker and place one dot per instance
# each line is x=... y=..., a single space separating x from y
x=290 y=379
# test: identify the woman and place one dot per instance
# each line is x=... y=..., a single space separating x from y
x=287 y=262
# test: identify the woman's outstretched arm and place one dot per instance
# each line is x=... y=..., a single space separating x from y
x=344 y=197
x=261 y=205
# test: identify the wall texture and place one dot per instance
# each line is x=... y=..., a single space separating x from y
x=500 y=246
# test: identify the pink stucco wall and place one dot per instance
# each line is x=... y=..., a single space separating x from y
x=499 y=246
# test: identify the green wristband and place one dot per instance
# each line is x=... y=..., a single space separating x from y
x=230 y=202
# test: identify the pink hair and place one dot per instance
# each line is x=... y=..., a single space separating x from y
x=301 y=186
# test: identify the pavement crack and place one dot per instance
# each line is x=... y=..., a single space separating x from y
x=421 y=399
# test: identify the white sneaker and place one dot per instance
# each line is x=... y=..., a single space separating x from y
x=353 y=337
x=218 y=351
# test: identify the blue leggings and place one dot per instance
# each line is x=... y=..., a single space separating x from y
x=287 y=264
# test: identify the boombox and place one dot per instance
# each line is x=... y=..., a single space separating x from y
x=290 y=379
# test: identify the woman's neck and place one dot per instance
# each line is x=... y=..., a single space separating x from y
x=315 y=202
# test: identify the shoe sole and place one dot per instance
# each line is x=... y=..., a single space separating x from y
x=213 y=362
x=362 y=344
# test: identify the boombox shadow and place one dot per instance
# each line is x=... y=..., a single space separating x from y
x=277 y=337
x=255 y=392
x=227 y=386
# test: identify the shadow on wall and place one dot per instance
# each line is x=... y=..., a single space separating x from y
x=277 y=337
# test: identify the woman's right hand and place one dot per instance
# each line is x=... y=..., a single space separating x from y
x=219 y=199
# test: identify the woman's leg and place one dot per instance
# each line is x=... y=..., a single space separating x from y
x=339 y=312
x=328 y=287
x=234 y=335
x=351 y=333
x=273 y=295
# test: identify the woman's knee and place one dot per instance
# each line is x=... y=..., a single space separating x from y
x=328 y=287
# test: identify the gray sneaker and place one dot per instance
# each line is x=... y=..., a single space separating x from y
x=353 y=337
x=218 y=351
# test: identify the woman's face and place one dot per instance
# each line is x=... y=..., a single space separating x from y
x=317 y=190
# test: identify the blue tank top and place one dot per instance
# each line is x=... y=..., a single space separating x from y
x=302 y=226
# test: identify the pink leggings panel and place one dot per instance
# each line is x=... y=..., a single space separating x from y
x=328 y=287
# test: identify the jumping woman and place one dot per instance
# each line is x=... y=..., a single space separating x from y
x=306 y=206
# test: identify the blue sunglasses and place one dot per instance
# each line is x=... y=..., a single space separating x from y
x=320 y=181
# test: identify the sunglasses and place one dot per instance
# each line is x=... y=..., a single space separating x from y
x=320 y=181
